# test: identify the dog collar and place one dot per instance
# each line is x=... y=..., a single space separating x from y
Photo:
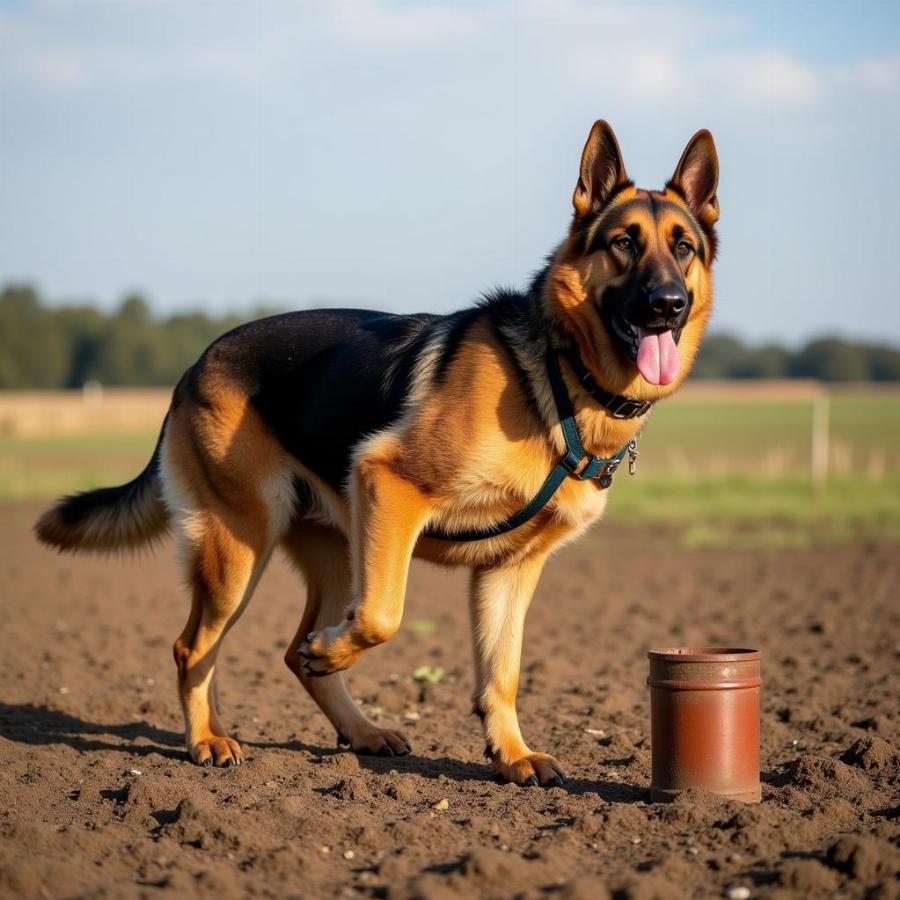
x=616 y=405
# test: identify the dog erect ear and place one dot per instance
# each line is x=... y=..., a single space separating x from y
x=697 y=176
x=601 y=169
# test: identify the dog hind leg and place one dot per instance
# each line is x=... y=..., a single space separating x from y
x=222 y=572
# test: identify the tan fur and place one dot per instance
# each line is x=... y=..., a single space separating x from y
x=467 y=452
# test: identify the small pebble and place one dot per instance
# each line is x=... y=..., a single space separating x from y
x=324 y=850
x=349 y=854
x=136 y=772
x=64 y=690
x=411 y=716
x=442 y=804
x=635 y=840
x=737 y=892
x=693 y=851
x=597 y=732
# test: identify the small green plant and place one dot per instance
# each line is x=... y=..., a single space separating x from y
x=430 y=674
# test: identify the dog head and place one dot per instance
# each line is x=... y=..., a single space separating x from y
x=632 y=282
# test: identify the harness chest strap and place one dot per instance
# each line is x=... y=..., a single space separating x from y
x=601 y=468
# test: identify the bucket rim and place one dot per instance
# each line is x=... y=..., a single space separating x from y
x=704 y=654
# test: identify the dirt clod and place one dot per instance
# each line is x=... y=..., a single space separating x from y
x=864 y=858
x=873 y=754
x=808 y=876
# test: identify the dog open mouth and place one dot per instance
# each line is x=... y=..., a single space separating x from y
x=653 y=350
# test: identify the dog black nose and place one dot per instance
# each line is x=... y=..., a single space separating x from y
x=668 y=300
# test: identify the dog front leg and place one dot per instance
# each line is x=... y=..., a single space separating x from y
x=388 y=514
x=499 y=601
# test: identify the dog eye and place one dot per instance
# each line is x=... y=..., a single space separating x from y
x=624 y=243
x=684 y=249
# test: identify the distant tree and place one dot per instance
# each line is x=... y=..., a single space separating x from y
x=769 y=361
x=884 y=364
x=33 y=349
x=831 y=359
x=84 y=328
x=719 y=353
x=134 y=308
x=64 y=346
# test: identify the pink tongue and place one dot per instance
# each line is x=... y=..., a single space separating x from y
x=657 y=359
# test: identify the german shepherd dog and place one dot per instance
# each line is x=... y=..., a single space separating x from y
x=356 y=440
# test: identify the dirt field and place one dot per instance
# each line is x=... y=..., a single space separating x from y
x=97 y=799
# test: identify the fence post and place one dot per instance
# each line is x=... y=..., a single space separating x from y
x=819 y=461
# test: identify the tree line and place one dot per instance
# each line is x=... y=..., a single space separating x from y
x=43 y=346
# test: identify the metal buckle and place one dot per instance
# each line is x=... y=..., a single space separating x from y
x=571 y=461
x=629 y=407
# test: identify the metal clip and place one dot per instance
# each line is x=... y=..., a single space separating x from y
x=632 y=456
x=608 y=471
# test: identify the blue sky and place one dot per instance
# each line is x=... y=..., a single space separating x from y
x=409 y=155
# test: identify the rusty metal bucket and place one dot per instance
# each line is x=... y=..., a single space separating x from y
x=704 y=721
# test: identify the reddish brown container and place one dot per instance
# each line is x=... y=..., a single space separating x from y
x=704 y=721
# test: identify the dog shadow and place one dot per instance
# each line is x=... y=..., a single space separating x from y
x=455 y=769
x=25 y=723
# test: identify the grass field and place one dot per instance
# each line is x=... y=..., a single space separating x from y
x=718 y=470
x=772 y=437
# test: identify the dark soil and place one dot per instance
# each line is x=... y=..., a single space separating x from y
x=97 y=798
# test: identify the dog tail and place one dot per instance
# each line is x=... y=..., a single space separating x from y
x=111 y=518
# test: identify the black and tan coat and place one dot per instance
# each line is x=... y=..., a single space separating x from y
x=342 y=436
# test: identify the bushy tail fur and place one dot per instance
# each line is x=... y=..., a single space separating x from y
x=112 y=518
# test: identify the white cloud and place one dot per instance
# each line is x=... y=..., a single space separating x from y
x=52 y=68
x=650 y=54
x=772 y=78
x=653 y=75
x=372 y=23
x=877 y=74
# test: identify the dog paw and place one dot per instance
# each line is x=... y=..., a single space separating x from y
x=329 y=650
x=374 y=741
x=531 y=769
x=217 y=751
